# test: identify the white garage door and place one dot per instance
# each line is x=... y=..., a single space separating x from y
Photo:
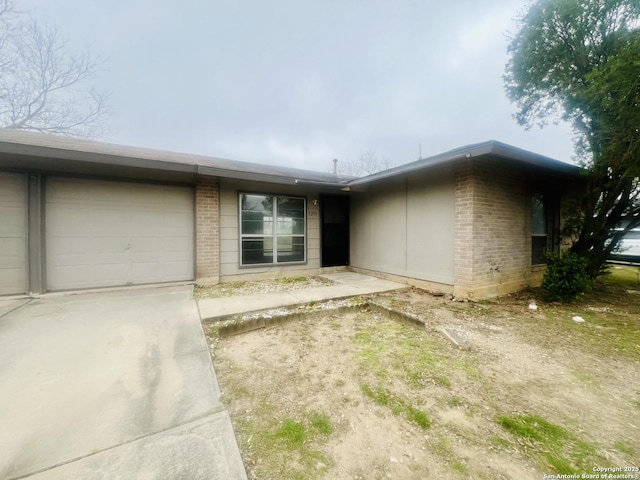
x=101 y=233
x=13 y=234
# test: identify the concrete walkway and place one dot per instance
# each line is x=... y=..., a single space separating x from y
x=346 y=284
x=120 y=384
x=111 y=385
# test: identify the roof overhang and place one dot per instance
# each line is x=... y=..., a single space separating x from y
x=28 y=150
x=491 y=148
x=34 y=151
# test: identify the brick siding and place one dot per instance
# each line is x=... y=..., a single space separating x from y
x=492 y=245
x=207 y=230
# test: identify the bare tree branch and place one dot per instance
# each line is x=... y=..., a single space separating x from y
x=368 y=163
x=44 y=84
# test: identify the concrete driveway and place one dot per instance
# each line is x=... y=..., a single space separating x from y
x=111 y=385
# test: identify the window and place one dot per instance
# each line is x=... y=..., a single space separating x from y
x=272 y=229
x=538 y=229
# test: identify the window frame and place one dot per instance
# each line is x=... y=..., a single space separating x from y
x=551 y=201
x=545 y=235
x=274 y=235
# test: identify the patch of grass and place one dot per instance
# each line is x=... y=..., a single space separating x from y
x=292 y=433
x=397 y=405
x=321 y=423
x=443 y=449
x=418 y=417
x=587 y=380
x=623 y=276
x=550 y=445
x=391 y=349
x=534 y=428
x=441 y=380
x=612 y=325
x=487 y=301
x=289 y=448
x=290 y=280
x=501 y=442
x=625 y=448
x=380 y=396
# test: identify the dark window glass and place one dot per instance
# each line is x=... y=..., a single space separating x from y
x=290 y=249
x=265 y=241
x=538 y=229
x=257 y=250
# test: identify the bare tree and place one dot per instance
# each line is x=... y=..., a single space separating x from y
x=367 y=164
x=43 y=84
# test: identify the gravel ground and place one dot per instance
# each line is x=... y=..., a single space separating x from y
x=236 y=289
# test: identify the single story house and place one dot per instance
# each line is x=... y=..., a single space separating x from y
x=78 y=214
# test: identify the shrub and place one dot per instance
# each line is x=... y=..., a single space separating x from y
x=566 y=276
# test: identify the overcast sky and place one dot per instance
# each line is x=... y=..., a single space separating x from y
x=298 y=82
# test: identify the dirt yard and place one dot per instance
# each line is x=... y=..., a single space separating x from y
x=357 y=394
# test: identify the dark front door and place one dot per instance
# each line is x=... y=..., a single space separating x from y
x=335 y=230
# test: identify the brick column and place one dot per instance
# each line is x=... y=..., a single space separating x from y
x=207 y=231
x=492 y=249
x=464 y=246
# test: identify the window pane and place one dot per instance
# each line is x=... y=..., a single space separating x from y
x=257 y=250
x=538 y=249
x=290 y=216
x=257 y=214
x=538 y=216
x=290 y=249
x=268 y=222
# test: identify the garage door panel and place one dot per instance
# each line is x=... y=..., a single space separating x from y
x=145 y=272
x=179 y=244
x=12 y=248
x=13 y=222
x=111 y=220
x=108 y=273
x=62 y=246
x=116 y=194
x=180 y=269
x=176 y=221
x=72 y=275
x=145 y=221
x=147 y=245
x=111 y=245
x=60 y=192
x=12 y=187
x=11 y=278
x=13 y=234
x=122 y=242
x=68 y=221
x=149 y=195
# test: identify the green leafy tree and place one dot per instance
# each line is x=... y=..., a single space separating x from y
x=579 y=61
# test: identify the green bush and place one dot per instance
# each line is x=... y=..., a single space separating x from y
x=566 y=276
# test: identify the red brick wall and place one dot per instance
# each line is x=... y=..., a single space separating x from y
x=207 y=230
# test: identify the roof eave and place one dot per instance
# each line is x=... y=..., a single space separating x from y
x=491 y=147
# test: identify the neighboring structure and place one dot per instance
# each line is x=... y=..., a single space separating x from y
x=82 y=214
x=629 y=247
